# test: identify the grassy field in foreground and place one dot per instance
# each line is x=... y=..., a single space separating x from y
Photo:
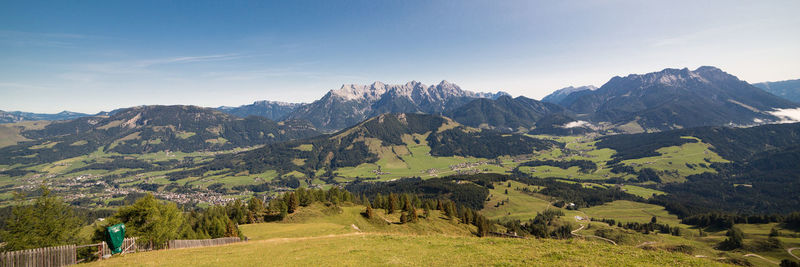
x=328 y=236
x=397 y=250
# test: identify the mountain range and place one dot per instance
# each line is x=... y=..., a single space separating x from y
x=657 y=101
x=789 y=89
x=677 y=98
x=352 y=103
x=150 y=129
x=17 y=116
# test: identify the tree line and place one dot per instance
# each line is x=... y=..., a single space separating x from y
x=408 y=204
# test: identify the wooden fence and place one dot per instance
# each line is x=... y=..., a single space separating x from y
x=129 y=245
x=44 y=257
x=67 y=255
x=202 y=242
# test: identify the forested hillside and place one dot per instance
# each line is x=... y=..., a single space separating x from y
x=149 y=129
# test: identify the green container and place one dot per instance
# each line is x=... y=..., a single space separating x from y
x=115 y=234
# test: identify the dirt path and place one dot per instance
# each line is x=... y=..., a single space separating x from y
x=760 y=257
x=293 y=239
x=575 y=232
x=790 y=252
x=707 y=257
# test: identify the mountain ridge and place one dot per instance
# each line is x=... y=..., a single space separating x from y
x=273 y=110
x=504 y=113
x=558 y=95
x=148 y=129
x=678 y=98
x=352 y=103
x=788 y=89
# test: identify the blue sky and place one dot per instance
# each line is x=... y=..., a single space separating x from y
x=89 y=56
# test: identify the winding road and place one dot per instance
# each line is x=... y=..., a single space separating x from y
x=790 y=252
x=760 y=257
x=574 y=232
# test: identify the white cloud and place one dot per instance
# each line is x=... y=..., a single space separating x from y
x=789 y=115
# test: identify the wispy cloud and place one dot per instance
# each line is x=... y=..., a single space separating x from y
x=39 y=39
x=12 y=85
x=187 y=59
x=138 y=67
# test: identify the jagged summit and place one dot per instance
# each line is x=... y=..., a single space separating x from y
x=677 y=98
x=352 y=103
x=670 y=76
x=410 y=89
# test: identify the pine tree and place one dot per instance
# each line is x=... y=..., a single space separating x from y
x=774 y=232
x=155 y=221
x=292 y=202
x=368 y=213
x=407 y=206
x=735 y=239
x=413 y=215
x=255 y=208
x=392 y=204
x=449 y=210
x=47 y=222
x=427 y=211
x=483 y=226
x=283 y=209
x=378 y=203
x=417 y=202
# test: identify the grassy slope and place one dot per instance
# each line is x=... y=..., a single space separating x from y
x=676 y=157
x=317 y=236
x=672 y=159
x=409 y=160
x=518 y=205
x=368 y=249
x=9 y=135
x=627 y=211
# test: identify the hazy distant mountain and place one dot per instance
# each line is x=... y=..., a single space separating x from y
x=560 y=94
x=504 y=113
x=273 y=110
x=17 y=116
x=677 y=98
x=789 y=89
x=149 y=129
x=353 y=103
